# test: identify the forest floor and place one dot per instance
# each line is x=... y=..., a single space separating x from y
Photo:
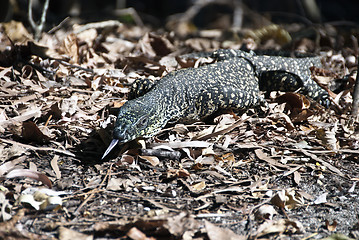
x=291 y=174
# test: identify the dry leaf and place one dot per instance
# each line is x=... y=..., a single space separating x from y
x=31 y=174
x=261 y=155
x=282 y=116
x=280 y=226
x=127 y=159
x=71 y=48
x=216 y=233
x=198 y=186
x=68 y=234
x=55 y=166
x=154 y=161
x=174 y=173
x=30 y=132
x=4 y=168
x=31 y=113
x=297 y=177
x=136 y=234
x=265 y=212
x=294 y=100
x=195 y=144
x=331 y=227
x=68 y=106
x=16 y=31
x=288 y=199
x=321 y=199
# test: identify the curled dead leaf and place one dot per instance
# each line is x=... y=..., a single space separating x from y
x=288 y=199
x=215 y=233
x=294 y=100
x=30 y=174
x=280 y=226
x=198 y=186
x=136 y=234
x=331 y=226
x=174 y=173
x=67 y=234
x=153 y=160
x=265 y=212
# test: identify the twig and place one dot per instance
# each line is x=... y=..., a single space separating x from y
x=46 y=149
x=238 y=14
x=74 y=66
x=355 y=108
x=92 y=194
x=54 y=29
x=324 y=163
x=38 y=28
x=222 y=131
x=98 y=25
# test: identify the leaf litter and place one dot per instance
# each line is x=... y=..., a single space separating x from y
x=237 y=176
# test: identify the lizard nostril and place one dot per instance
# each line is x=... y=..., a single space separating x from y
x=119 y=134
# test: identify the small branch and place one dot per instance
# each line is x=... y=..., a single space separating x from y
x=238 y=15
x=38 y=28
x=98 y=25
x=93 y=192
x=54 y=29
x=33 y=148
x=355 y=108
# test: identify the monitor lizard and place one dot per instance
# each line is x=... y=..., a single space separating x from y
x=233 y=81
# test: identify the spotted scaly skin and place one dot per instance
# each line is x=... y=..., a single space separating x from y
x=194 y=93
x=189 y=94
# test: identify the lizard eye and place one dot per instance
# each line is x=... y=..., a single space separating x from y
x=142 y=122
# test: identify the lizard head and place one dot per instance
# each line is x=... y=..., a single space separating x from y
x=137 y=118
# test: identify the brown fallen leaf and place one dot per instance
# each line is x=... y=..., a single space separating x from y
x=262 y=156
x=153 y=160
x=279 y=226
x=136 y=234
x=16 y=31
x=294 y=100
x=215 y=233
x=331 y=226
x=223 y=130
x=33 y=113
x=4 y=168
x=71 y=47
x=287 y=199
x=68 y=234
x=281 y=116
x=297 y=177
x=265 y=212
x=154 y=45
x=30 y=132
x=227 y=157
x=174 y=173
x=31 y=174
x=55 y=166
x=198 y=186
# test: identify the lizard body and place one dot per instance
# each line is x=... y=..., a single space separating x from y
x=234 y=81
